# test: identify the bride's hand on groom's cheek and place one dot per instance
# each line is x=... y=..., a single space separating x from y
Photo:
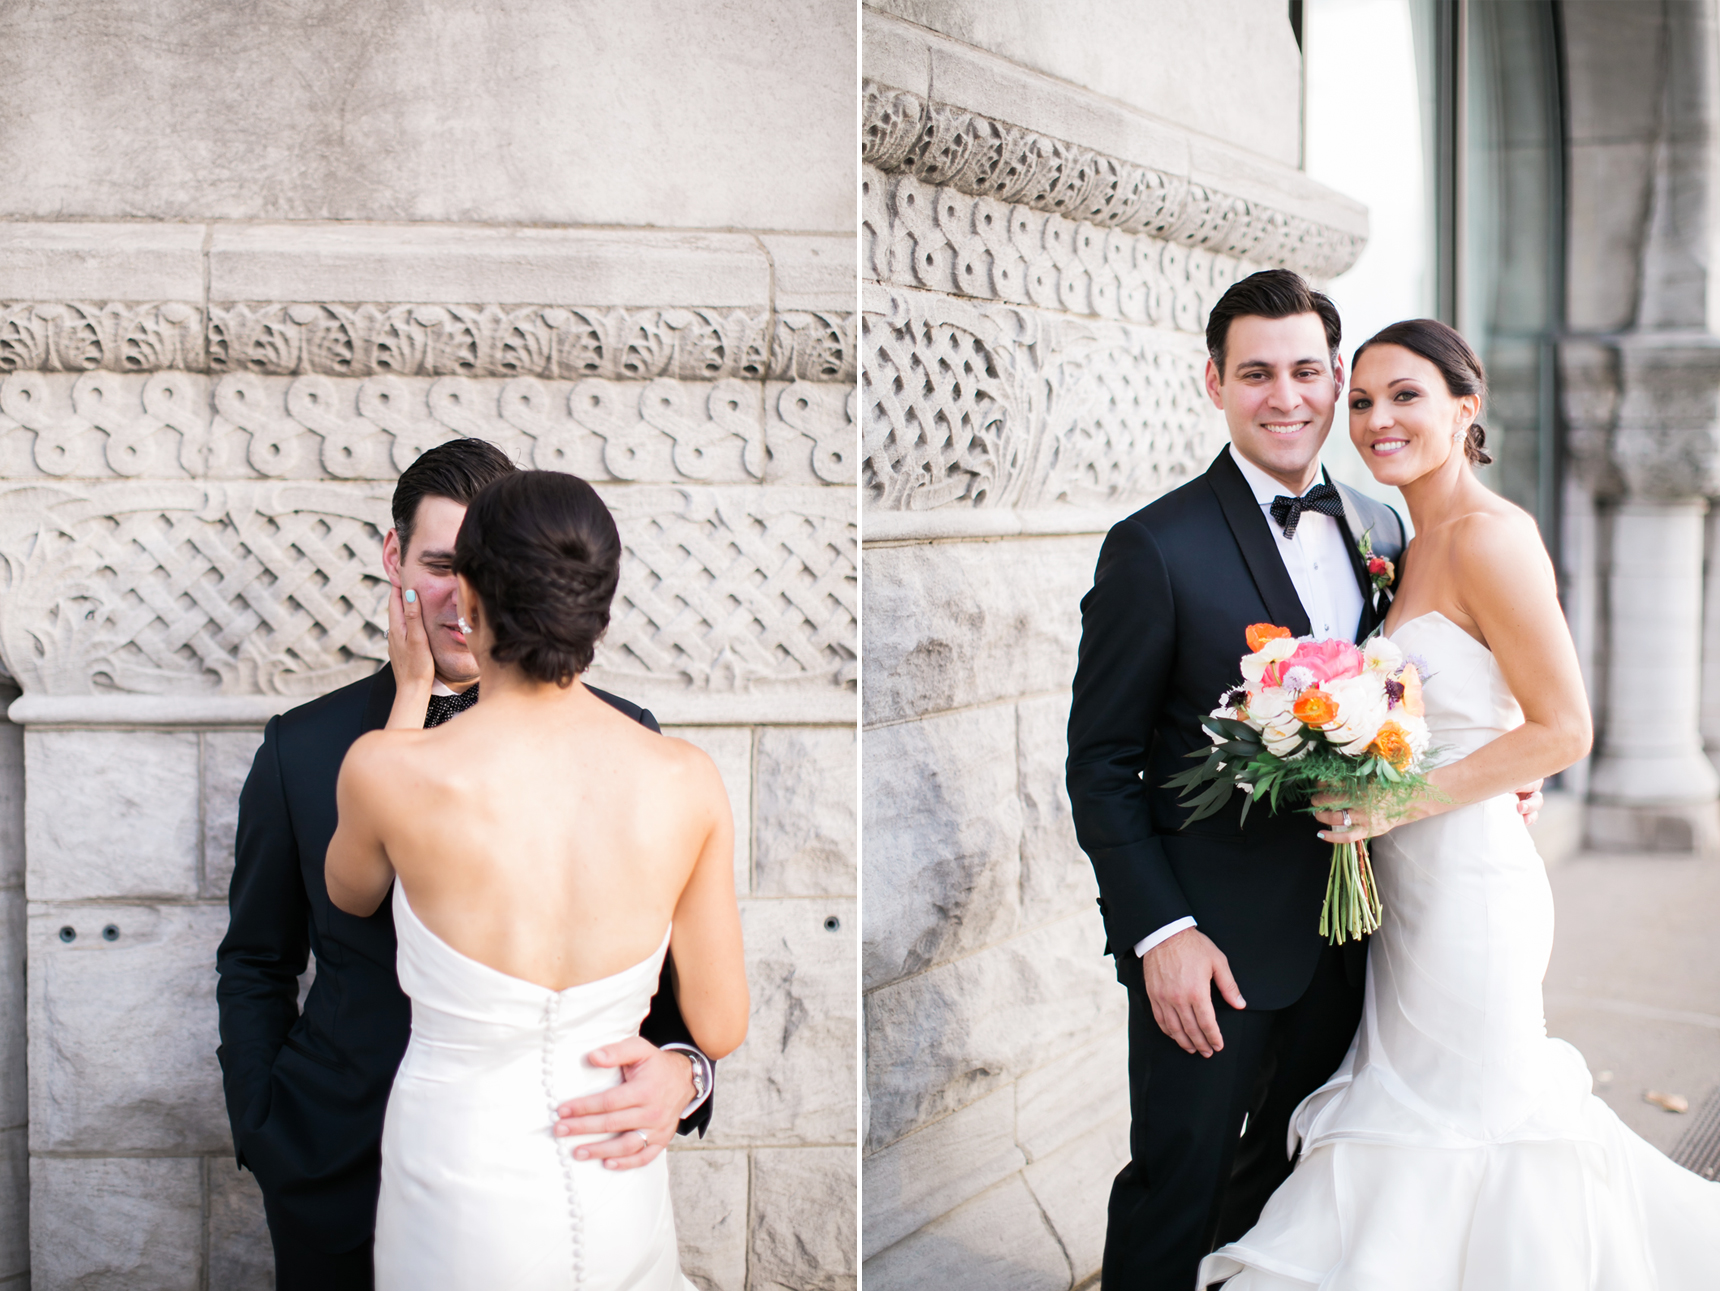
x=643 y=1112
x=409 y=658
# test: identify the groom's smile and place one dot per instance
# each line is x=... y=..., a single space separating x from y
x=1278 y=390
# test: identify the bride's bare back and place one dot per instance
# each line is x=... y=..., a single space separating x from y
x=547 y=836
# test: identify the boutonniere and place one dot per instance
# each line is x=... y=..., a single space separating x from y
x=1381 y=572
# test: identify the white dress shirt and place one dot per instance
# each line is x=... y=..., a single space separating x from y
x=1318 y=562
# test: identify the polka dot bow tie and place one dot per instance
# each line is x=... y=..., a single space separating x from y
x=1287 y=512
x=443 y=707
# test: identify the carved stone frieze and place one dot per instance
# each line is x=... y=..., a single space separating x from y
x=244 y=425
x=949 y=147
x=941 y=239
x=275 y=588
x=1004 y=406
x=87 y=336
x=549 y=342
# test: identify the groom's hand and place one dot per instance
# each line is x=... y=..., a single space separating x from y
x=656 y=1086
x=1179 y=974
x=1530 y=801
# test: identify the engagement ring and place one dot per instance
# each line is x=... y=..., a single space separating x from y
x=1346 y=820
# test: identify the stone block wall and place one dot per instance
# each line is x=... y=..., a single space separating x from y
x=1037 y=262
x=220 y=343
x=130 y=845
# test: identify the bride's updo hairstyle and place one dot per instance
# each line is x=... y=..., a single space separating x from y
x=1445 y=348
x=540 y=550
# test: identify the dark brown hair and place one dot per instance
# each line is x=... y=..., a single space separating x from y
x=456 y=470
x=541 y=551
x=1271 y=293
x=1445 y=348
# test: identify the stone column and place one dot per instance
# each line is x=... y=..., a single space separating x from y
x=1643 y=404
x=1653 y=788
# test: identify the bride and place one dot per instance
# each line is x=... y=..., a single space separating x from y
x=545 y=853
x=1458 y=1146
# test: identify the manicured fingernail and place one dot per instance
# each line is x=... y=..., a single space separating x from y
x=609 y=1165
x=411 y=597
x=581 y=1154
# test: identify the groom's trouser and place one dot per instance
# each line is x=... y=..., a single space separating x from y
x=1195 y=1179
x=299 y=1266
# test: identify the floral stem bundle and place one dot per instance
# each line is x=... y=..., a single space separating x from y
x=1318 y=716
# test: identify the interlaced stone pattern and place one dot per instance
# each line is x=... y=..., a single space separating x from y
x=197 y=506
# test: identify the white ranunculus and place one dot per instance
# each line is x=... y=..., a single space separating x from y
x=1269 y=706
x=1382 y=654
x=1362 y=708
x=1274 y=651
x=1282 y=738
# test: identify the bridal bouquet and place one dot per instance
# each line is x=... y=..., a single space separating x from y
x=1314 y=716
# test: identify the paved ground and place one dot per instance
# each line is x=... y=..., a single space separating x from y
x=1634 y=981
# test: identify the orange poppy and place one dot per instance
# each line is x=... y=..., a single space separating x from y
x=1259 y=634
x=1314 y=707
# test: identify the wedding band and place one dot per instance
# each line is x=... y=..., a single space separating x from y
x=1346 y=820
x=645 y=1136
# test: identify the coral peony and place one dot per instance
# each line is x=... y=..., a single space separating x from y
x=1259 y=634
x=1328 y=661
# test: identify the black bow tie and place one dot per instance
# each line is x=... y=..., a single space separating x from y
x=1287 y=512
x=443 y=707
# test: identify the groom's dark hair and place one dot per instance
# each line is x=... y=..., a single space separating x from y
x=1271 y=293
x=457 y=470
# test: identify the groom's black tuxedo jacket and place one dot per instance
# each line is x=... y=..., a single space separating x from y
x=306 y=1091
x=1176 y=587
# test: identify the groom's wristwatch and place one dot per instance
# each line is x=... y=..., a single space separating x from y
x=702 y=1074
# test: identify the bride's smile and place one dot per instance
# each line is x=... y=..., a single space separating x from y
x=1403 y=421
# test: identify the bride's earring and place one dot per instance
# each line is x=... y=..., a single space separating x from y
x=465 y=627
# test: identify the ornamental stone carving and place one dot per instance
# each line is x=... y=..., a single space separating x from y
x=548 y=341
x=242 y=425
x=275 y=588
x=1644 y=409
x=947 y=146
x=994 y=406
x=941 y=239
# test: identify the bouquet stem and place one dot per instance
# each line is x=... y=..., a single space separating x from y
x=1352 y=907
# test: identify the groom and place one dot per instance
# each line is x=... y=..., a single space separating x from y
x=306 y=1091
x=1237 y=1007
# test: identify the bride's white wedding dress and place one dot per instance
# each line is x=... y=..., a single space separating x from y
x=476 y=1191
x=1458 y=1148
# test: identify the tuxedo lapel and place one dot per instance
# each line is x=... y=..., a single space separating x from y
x=1375 y=601
x=381 y=701
x=1353 y=526
x=1254 y=537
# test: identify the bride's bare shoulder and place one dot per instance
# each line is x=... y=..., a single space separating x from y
x=1496 y=549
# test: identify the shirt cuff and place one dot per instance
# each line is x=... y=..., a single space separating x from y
x=1163 y=934
x=704 y=1075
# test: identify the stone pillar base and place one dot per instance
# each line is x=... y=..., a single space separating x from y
x=1655 y=827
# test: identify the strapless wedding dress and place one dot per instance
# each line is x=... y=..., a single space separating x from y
x=1458 y=1148
x=476 y=1190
